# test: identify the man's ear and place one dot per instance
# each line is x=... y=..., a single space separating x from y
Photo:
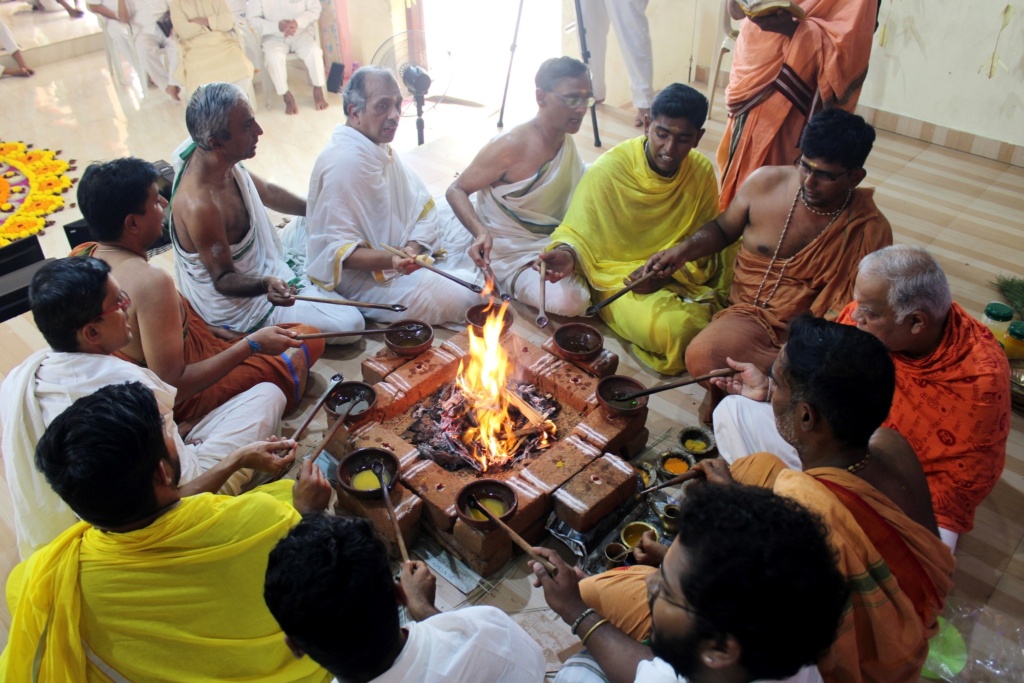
x=721 y=653
x=296 y=650
x=700 y=134
x=918 y=321
x=88 y=334
x=540 y=97
x=647 y=124
x=400 y=597
x=164 y=473
x=806 y=416
x=857 y=175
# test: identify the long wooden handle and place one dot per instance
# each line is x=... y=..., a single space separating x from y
x=685 y=476
x=543 y=289
x=392 y=515
x=433 y=269
x=329 y=435
x=316 y=409
x=516 y=538
x=622 y=292
x=674 y=385
x=355 y=333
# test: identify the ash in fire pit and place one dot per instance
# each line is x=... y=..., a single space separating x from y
x=446 y=428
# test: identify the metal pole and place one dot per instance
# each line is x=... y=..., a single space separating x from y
x=585 y=53
x=508 y=76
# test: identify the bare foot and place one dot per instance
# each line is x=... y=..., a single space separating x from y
x=318 y=97
x=25 y=69
x=641 y=114
x=19 y=72
x=289 y=104
x=76 y=13
x=174 y=91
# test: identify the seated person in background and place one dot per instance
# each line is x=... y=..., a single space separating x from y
x=832 y=387
x=10 y=45
x=55 y=5
x=329 y=585
x=638 y=198
x=120 y=202
x=804 y=228
x=117 y=23
x=521 y=183
x=290 y=26
x=209 y=49
x=82 y=313
x=228 y=257
x=362 y=197
x=150 y=586
x=157 y=51
x=947 y=363
x=743 y=558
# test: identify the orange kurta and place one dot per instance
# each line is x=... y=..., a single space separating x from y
x=953 y=406
x=818 y=279
x=828 y=53
x=899 y=572
x=289 y=371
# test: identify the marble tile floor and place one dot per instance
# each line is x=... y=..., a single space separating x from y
x=968 y=210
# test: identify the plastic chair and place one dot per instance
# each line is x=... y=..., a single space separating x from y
x=114 y=58
x=268 y=85
x=727 y=35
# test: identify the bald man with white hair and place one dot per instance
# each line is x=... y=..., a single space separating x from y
x=952 y=400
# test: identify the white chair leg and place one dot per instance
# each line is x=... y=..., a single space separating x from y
x=713 y=77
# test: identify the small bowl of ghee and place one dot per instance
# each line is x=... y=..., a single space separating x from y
x=356 y=475
x=499 y=498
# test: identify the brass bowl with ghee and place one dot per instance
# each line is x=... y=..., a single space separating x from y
x=634 y=531
x=578 y=341
x=499 y=498
x=409 y=343
x=612 y=386
x=477 y=315
x=356 y=475
x=355 y=400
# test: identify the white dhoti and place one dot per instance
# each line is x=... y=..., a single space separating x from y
x=121 y=36
x=7 y=42
x=633 y=32
x=275 y=55
x=361 y=195
x=48 y=382
x=520 y=218
x=259 y=254
x=159 y=57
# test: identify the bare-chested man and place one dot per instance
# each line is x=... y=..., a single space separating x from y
x=804 y=227
x=206 y=364
x=229 y=260
x=522 y=182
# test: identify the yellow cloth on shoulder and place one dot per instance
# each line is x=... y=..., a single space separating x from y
x=621 y=213
x=180 y=600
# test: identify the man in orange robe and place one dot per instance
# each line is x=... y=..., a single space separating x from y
x=121 y=204
x=784 y=69
x=832 y=389
x=805 y=227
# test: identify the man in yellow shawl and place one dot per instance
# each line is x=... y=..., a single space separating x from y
x=832 y=387
x=151 y=586
x=642 y=196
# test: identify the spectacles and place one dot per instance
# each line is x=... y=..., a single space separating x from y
x=573 y=101
x=823 y=176
x=122 y=304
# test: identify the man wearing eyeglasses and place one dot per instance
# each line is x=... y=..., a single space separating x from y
x=82 y=312
x=805 y=227
x=744 y=559
x=517 y=190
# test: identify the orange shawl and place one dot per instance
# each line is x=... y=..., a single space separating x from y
x=829 y=53
x=953 y=406
x=289 y=370
x=818 y=279
x=899 y=572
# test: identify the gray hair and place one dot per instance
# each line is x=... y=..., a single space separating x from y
x=355 y=91
x=207 y=113
x=916 y=281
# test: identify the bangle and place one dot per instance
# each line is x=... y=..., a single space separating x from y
x=769 y=397
x=583 y=640
x=254 y=346
x=576 y=624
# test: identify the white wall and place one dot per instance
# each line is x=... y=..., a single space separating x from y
x=931 y=61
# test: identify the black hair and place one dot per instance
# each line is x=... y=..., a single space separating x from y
x=845 y=373
x=100 y=454
x=679 y=101
x=110 y=192
x=65 y=296
x=557 y=68
x=753 y=556
x=838 y=137
x=321 y=576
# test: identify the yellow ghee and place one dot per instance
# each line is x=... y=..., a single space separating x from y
x=367 y=480
x=695 y=445
x=675 y=465
x=493 y=505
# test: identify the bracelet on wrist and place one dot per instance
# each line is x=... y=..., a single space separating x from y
x=254 y=346
x=579 y=620
x=583 y=640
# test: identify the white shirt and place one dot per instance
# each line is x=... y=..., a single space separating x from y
x=660 y=671
x=468 y=645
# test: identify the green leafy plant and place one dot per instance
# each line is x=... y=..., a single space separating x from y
x=1012 y=289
